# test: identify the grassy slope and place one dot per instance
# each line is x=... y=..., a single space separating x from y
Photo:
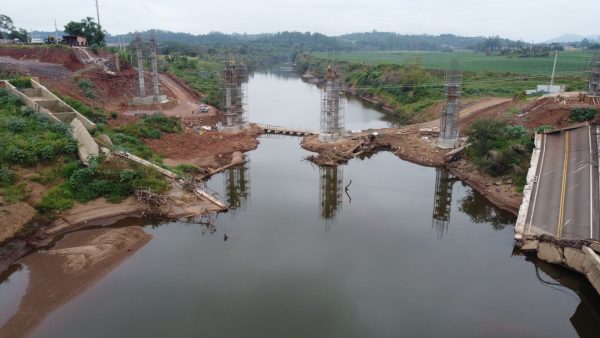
x=31 y=141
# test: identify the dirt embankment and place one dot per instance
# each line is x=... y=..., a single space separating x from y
x=405 y=143
x=498 y=190
x=211 y=150
x=72 y=266
x=408 y=144
x=57 y=55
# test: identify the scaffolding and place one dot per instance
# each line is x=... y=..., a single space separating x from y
x=594 y=74
x=332 y=106
x=442 y=202
x=234 y=77
x=331 y=180
x=449 y=121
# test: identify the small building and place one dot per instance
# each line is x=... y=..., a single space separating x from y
x=546 y=89
x=75 y=40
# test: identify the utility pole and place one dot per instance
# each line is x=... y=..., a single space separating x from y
x=97 y=13
x=55 y=32
x=553 y=69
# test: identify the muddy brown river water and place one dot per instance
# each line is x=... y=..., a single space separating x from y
x=407 y=251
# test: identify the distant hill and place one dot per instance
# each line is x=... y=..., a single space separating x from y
x=308 y=41
x=570 y=37
x=394 y=41
x=319 y=42
x=299 y=41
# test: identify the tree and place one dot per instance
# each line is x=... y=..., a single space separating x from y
x=9 y=31
x=6 y=23
x=18 y=33
x=88 y=29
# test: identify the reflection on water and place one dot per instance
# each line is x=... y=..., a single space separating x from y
x=442 y=202
x=586 y=317
x=331 y=181
x=481 y=211
x=237 y=186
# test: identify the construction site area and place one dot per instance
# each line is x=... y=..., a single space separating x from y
x=100 y=95
x=215 y=140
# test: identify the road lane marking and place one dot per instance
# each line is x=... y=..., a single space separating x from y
x=591 y=184
x=537 y=184
x=561 y=211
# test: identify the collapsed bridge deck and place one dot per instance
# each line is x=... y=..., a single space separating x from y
x=564 y=189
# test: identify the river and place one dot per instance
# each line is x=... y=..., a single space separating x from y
x=407 y=251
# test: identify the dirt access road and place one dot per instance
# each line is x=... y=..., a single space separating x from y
x=186 y=105
x=466 y=112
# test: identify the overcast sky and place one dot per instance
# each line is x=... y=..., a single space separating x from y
x=529 y=20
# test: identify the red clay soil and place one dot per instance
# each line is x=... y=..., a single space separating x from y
x=211 y=149
x=58 y=55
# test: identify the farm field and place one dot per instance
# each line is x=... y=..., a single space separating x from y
x=569 y=62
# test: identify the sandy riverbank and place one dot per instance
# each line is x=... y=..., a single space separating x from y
x=72 y=266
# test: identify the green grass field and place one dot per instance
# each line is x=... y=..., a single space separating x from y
x=569 y=62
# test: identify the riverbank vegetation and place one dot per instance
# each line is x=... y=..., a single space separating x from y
x=202 y=75
x=500 y=149
x=408 y=87
x=36 y=149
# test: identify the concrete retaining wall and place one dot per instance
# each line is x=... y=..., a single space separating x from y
x=27 y=101
x=62 y=106
x=528 y=190
x=63 y=113
x=86 y=145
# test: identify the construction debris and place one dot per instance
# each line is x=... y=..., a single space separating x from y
x=154 y=202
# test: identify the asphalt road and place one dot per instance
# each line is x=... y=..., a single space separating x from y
x=565 y=196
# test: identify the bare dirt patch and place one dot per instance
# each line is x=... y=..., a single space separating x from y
x=51 y=55
x=73 y=265
x=13 y=217
x=209 y=150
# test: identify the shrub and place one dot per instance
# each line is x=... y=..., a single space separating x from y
x=16 y=125
x=544 y=128
x=9 y=99
x=129 y=175
x=187 y=168
x=87 y=87
x=7 y=177
x=58 y=198
x=499 y=148
x=15 y=193
x=580 y=114
x=21 y=82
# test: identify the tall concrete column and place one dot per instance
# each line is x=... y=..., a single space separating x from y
x=117 y=63
x=140 y=62
x=155 y=89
